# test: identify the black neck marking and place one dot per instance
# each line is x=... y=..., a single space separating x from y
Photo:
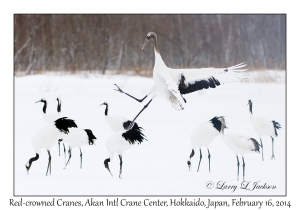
x=134 y=135
x=216 y=123
x=106 y=161
x=250 y=106
x=58 y=105
x=192 y=153
x=106 y=109
x=31 y=160
x=91 y=136
x=186 y=88
x=45 y=105
x=63 y=124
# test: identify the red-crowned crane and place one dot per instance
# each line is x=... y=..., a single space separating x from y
x=264 y=127
x=202 y=136
x=78 y=137
x=121 y=141
x=239 y=144
x=49 y=118
x=47 y=136
x=171 y=84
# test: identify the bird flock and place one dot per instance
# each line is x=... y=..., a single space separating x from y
x=171 y=85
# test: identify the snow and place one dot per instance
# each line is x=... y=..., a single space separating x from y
x=159 y=165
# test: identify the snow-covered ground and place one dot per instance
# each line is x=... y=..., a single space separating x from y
x=159 y=165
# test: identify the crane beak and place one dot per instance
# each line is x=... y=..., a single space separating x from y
x=38 y=101
x=146 y=40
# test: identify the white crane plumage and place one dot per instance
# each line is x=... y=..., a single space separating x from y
x=121 y=141
x=264 y=127
x=78 y=137
x=50 y=118
x=239 y=144
x=171 y=84
x=116 y=123
x=47 y=136
x=202 y=136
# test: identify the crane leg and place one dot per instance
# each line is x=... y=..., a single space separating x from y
x=80 y=157
x=262 y=149
x=49 y=163
x=244 y=165
x=208 y=160
x=200 y=159
x=121 y=163
x=238 y=167
x=64 y=151
x=70 y=155
x=59 y=140
x=183 y=98
x=121 y=91
x=133 y=121
x=272 y=157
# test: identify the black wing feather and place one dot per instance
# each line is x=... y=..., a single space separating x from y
x=63 y=124
x=186 y=88
x=134 y=135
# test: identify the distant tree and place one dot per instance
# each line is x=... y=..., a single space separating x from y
x=107 y=42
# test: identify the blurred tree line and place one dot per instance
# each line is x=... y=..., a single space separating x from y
x=113 y=42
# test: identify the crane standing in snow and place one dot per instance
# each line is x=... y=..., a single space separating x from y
x=49 y=118
x=121 y=141
x=171 y=84
x=239 y=144
x=264 y=127
x=47 y=136
x=78 y=137
x=203 y=135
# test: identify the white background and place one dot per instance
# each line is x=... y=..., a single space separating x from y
x=8 y=9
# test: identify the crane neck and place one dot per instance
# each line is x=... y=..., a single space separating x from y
x=222 y=129
x=58 y=106
x=250 y=109
x=159 y=62
x=156 y=45
x=45 y=106
x=106 y=109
